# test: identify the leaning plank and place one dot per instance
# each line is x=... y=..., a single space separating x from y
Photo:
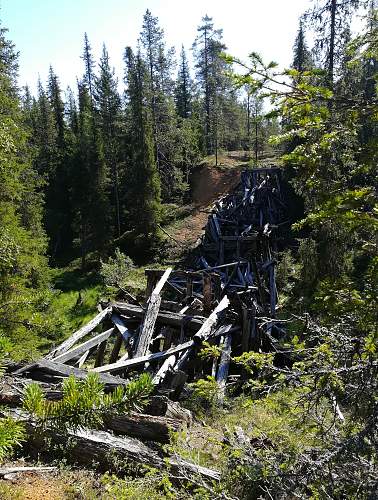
x=62 y=370
x=224 y=364
x=164 y=317
x=141 y=426
x=89 y=446
x=149 y=320
x=85 y=346
x=209 y=325
x=121 y=327
x=141 y=360
x=67 y=344
x=168 y=363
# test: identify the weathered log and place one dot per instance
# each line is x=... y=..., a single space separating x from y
x=168 y=363
x=142 y=426
x=89 y=446
x=141 y=360
x=79 y=334
x=61 y=370
x=149 y=320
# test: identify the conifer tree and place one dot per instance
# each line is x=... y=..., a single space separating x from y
x=331 y=19
x=210 y=75
x=89 y=65
x=144 y=182
x=160 y=87
x=183 y=89
x=23 y=268
x=108 y=108
x=302 y=60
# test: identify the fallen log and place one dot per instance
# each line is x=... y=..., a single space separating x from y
x=60 y=370
x=142 y=426
x=207 y=328
x=100 y=447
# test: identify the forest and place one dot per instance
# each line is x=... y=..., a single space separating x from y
x=100 y=182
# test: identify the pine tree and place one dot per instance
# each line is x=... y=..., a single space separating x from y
x=210 y=75
x=90 y=182
x=160 y=87
x=331 y=19
x=144 y=182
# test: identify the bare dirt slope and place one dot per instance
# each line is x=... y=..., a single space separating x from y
x=208 y=183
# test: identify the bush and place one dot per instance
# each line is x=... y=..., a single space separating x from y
x=115 y=271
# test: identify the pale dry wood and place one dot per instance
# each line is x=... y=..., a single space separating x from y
x=79 y=334
x=85 y=346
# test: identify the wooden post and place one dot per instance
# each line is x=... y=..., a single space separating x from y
x=149 y=320
x=207 y=293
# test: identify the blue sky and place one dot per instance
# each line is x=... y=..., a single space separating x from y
x=51 y=31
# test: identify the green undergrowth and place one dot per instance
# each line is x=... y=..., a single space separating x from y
x=77 y=293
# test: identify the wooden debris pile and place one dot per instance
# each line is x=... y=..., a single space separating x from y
x=227 y=300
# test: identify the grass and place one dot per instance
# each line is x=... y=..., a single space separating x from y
x=77 y=293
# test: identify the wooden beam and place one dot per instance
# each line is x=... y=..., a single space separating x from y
x=164 y=317
x=79 y=334
x=62 y=370
x=121 y=327
x=168 y=363
x=224 y=364
x=85 y=346
x=134 y=362
x=206 y=329
x=149 y=320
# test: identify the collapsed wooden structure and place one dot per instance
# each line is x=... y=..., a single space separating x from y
x=228 y=298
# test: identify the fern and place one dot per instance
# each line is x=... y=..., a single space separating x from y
x=84 y=402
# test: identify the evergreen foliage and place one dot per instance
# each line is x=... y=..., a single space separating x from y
x=84 y=403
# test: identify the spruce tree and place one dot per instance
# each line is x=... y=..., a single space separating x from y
x=183 y=91
x=108 y=111
x=144 y=181
x=23 y=267
x=302 y=60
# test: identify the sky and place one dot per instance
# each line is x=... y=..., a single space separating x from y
x=51 y=31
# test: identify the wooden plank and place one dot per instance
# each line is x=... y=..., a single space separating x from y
x=164 y=317
x=100 y=354
x=116 y=348
x=85 y=346
x=79 y=334
x=121 y=327
x=224 y=364
x=83 y=359
x=149 y=320
x=206 y=329
x=141 y=360
x=207 y=293
x=168 y=363
x=62 y=370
